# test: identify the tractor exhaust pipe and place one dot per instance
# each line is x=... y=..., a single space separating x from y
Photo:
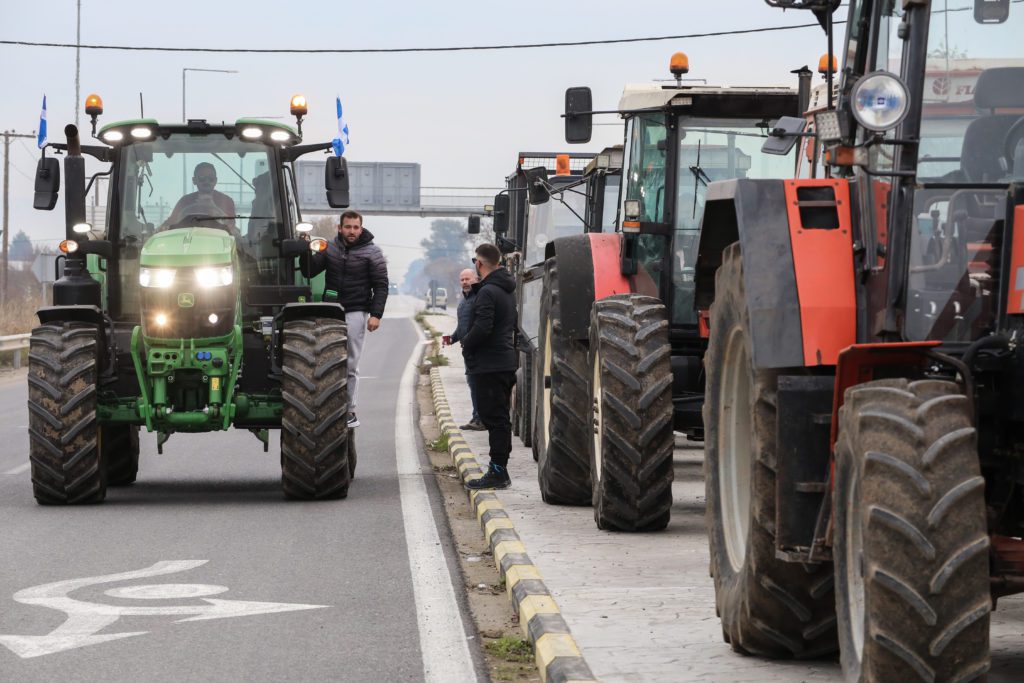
x=74 y=183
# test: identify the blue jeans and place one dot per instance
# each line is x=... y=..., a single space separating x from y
x=471 y=381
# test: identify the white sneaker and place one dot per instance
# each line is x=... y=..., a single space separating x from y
x=353 y=421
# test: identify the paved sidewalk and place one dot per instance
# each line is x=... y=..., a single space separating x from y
x=641 y=606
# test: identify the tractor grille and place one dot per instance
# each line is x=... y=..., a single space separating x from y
x=188 y=321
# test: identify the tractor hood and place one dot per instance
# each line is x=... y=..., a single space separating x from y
x=185 y=247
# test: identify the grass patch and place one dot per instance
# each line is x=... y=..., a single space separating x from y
x=440 y=444
x=511 y=649
x=437 y=359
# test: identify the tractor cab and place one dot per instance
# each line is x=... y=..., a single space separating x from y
x=187 y=296
x=678 y=140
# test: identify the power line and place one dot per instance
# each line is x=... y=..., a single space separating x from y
x=451 y=48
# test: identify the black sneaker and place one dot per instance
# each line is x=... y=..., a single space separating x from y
x=496 y=477
x=353 y=421
x=473 y=426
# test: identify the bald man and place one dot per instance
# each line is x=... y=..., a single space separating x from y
x=467 y=279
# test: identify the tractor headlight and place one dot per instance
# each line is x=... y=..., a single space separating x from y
x=158 y=278
x=880 y=101
x=221 y=276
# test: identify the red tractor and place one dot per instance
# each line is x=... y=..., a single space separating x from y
x=864 y=405
x=620 y=343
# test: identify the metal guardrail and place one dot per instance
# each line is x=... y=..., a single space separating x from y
x=16 y=344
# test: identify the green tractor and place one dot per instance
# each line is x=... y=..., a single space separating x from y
x=188 y=312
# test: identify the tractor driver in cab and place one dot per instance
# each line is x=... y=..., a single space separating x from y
x=217 y=207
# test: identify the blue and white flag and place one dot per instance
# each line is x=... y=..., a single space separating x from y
x=41 y=139
x=342 y=140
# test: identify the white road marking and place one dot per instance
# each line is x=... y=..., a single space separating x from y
x=86 y=619
x=442 y=636
x=19 y=469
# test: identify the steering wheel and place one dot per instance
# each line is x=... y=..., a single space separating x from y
x=1013 y=138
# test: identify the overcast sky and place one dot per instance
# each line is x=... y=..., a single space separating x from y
x=463 y=115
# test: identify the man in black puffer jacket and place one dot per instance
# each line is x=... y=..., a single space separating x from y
x=490 y=353
x=357 y=274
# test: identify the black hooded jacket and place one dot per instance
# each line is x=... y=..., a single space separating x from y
x=358 y=273
x=489 y=346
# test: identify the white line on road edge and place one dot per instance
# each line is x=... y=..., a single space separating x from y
x=443 y=641
x=19 y=469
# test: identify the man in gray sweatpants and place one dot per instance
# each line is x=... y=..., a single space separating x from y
x=358 y=272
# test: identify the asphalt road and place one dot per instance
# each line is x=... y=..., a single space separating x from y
x=169 y=569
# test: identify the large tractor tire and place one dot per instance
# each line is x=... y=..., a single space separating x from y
x=120 y=444
x=562 y=434
x=911 y=541
x=64 y=433
x=631 y=399
x=314 y=430
x=768 y=607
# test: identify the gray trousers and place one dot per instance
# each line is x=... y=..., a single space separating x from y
x=356 y=322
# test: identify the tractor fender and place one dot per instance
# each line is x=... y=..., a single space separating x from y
x=296 y=311
x=798 y=269
x=588 y=270
x=72 y=314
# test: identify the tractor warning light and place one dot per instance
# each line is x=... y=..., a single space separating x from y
x=824 y=66
x=299 y=106
x=679 y=64
x=68 y=246
x=94 y=105
x=562 y=164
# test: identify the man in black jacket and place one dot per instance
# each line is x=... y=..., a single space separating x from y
x=467 y=279
x=489 y=350
x=357 y=278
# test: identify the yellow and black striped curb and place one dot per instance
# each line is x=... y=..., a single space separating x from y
x=558 y=657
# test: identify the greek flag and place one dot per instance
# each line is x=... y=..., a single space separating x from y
x=41 y=139
x=342 y=139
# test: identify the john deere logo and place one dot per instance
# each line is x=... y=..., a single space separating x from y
x=186 y=300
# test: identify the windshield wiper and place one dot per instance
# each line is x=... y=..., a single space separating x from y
x=699 y=176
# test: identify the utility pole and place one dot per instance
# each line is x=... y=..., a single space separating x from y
x=8 y=134
x=78 y=60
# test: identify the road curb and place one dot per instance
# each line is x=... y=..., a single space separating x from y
x=558 y=657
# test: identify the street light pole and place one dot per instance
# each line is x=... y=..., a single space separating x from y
x=6 y=227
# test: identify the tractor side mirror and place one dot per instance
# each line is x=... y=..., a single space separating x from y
x=501 y=207
x=47 y=184
x=579 y=121
x=294 y=247
x=473 y=225
x=537 y=185
x=336 y=182
x=781 y=140
x=991 y=11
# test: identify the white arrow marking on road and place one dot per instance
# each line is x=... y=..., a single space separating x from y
x=86 y=619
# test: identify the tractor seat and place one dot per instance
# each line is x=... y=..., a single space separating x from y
x=997 y=88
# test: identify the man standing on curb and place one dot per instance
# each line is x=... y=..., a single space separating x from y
x=491 y=360
x=357 y=278
x=467 y=279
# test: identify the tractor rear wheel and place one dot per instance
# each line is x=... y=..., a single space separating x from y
x=631 y=401
x=64 y=432
x=911 y=542
x=314 y=425
x=120 y=445
x=768 y=607
x=563 y=467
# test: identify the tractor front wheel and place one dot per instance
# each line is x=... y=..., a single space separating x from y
x=768 y=607
x=631 y=399
x=911 y=545
x=64 y=432
x=314 y=426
